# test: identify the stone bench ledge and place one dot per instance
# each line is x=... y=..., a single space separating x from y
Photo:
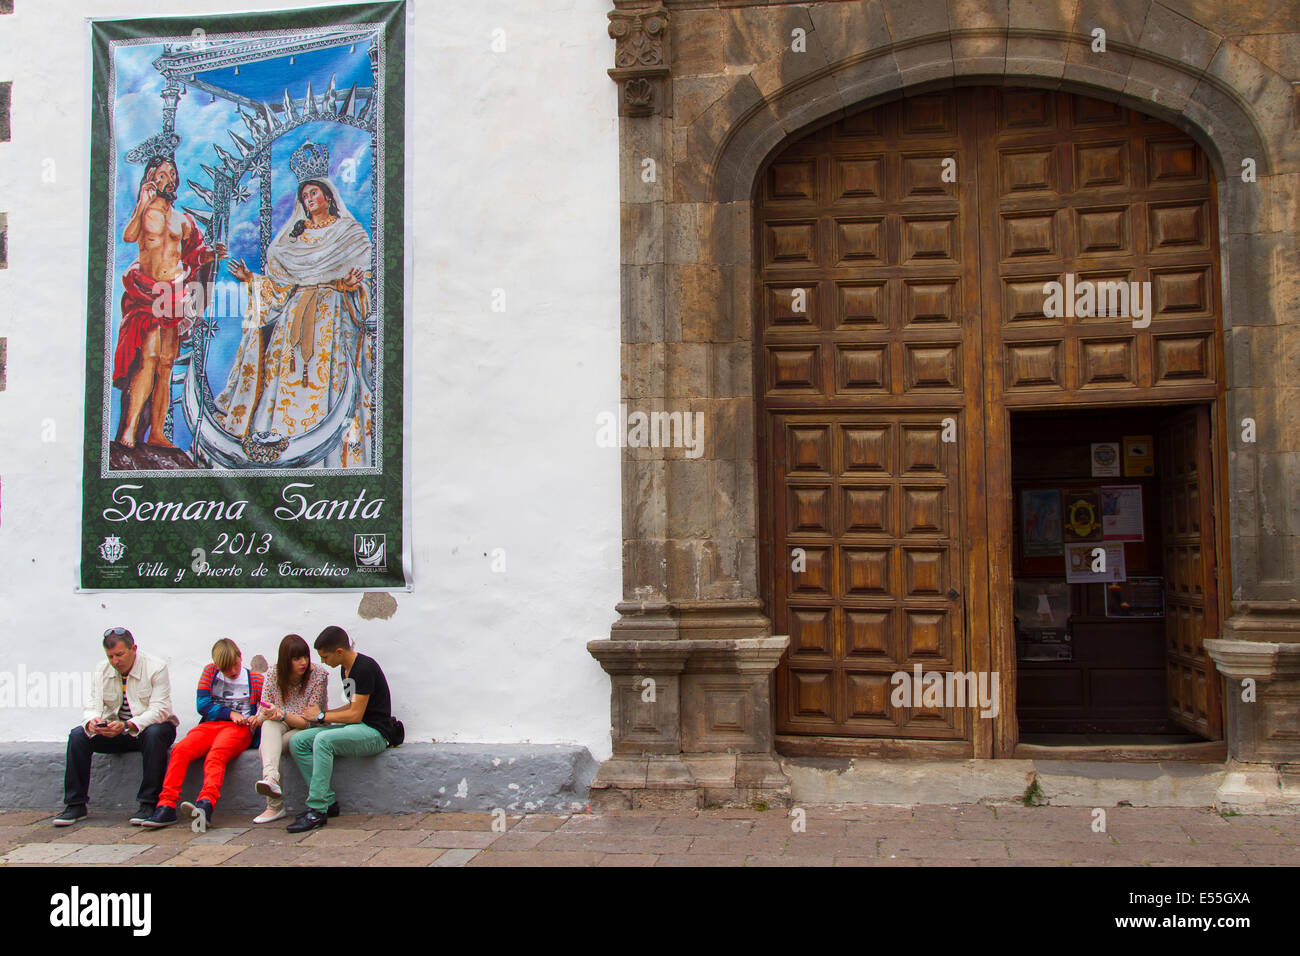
x=415 y=777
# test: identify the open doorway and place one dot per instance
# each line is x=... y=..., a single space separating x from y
x=1114 y=576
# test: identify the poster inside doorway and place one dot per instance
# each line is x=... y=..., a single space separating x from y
x=1089 y=563
x=1121 y=513
x=245 y=326
x=1040 y=522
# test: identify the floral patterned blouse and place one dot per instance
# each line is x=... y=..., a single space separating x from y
x=306 y=702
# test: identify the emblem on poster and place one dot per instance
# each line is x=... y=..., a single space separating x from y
x=112 y=549
x=369 y=551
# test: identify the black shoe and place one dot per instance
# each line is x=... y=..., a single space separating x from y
x=162 y=817
x=187 y=811
x=143 y=814
x=309 y=820
x=71 y=815
x=333 y=811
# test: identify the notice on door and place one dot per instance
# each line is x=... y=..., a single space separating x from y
x=1105 y=459
x=1092 y=563
x=1121 y=513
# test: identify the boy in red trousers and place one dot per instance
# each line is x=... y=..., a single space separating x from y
x=228 y=699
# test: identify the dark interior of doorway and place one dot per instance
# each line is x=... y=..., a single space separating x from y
x=1091 y=666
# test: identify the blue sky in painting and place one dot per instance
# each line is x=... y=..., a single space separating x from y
x=203 y=122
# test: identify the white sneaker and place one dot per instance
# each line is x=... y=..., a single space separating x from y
x=268 y=789
x=269 y=816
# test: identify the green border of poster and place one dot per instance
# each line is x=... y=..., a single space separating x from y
x=316 y=553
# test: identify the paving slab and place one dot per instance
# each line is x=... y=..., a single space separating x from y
x=613 y=843
x=264 y=855
x=460 y=839
x=329 y=836
x=712 y=826
x=42 y=852
x=404 y=856
x=458 y=856
x=588 y=823
x=628 y=859
x=397 y=838
x=217 y=836
x=154 y=855
x=532 y=858
x=18 y=818
x=346 y=856
x=702 y=859
x=517 y=840
x=204 y=855
x=269 y=836
x=100 y=853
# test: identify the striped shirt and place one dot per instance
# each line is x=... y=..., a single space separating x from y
x=212 y=708
x=124 y=712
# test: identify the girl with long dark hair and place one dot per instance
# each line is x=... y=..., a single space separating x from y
x=296 y=690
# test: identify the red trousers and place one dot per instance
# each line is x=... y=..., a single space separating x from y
x=222 y=741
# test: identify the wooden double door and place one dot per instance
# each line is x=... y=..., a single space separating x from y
x=902 y=257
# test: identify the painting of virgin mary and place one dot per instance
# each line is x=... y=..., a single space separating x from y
x=306 y=324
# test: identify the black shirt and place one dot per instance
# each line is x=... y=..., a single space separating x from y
x=368 y=678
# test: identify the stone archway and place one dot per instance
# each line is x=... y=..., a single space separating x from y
x=707 y=96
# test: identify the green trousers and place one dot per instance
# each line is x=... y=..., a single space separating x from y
x=315 y=748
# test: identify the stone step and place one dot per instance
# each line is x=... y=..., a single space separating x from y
x=1082 y=783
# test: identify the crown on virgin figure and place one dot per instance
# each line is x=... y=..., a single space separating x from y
x=310 y=161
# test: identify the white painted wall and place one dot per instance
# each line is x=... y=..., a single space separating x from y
x=512 y=167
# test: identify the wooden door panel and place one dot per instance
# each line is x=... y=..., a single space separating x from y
x=870 y=339
x=1073 y=186
x=872 y=502
x=1191 y=599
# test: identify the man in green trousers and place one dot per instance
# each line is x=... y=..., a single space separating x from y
x=363 y=726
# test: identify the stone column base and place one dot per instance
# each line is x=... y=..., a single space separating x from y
x=692 y=721
x=1259 y=789
x=1262 y=708
x=689 y=782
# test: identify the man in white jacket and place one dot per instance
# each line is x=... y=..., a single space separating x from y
x=128 y=708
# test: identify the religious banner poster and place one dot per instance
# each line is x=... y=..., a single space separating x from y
x=245 y=305
x=1040 y=522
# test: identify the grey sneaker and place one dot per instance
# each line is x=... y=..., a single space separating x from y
x=143 y=814
x=70 y=815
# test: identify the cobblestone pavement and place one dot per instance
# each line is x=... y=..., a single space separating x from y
x=966 y=835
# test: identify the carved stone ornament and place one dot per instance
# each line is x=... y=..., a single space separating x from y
x=640 y=55
x=641 y=37
x=638 y=96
